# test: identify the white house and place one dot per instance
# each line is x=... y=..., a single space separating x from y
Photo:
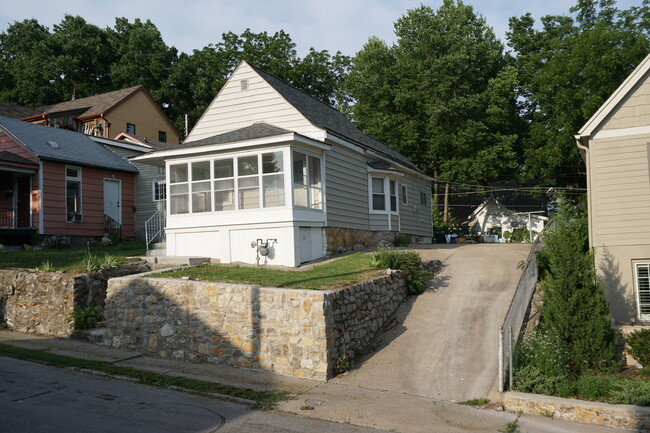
x=492 y=214
x=269 y=165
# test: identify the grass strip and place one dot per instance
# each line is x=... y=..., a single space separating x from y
x=337 y=273
x=265 y=400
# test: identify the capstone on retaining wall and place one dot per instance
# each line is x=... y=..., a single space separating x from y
x=41 y=302
x=636 y=418
x=292 y=332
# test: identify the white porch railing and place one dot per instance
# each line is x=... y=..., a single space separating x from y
x=154 y=227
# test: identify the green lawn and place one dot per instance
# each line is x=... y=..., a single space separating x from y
x=69 y=259
x=337 y=273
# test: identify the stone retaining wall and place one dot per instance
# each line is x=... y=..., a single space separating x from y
x=292 y=332
x=340 y=240
x=636 y=418
x=359 y=311
x=41 y=302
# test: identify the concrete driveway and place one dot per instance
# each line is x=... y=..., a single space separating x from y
x=443 y=343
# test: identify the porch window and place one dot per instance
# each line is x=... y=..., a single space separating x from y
x=201 y=188
x=248 y=182
x=307 y=183
x=179 y=199
x=642 y=271
x=273 y=179
x=224 y=185
x=73 y=194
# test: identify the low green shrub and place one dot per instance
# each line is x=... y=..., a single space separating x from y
x=595 y=388
x=630 y=391
x=87 y=317
x=409 y=262
x=401 y=241
x=639 y=343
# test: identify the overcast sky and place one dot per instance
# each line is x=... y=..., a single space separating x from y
x=333 y=25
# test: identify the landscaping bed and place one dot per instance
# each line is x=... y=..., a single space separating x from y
x=72 y=259
x=337 y=273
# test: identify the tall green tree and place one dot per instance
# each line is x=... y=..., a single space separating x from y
x=443 y=95
x=567 y=69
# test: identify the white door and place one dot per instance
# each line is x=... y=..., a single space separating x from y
x=112 y=196
x=305 y=244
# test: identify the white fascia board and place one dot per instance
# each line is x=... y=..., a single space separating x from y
x=362 y=150
x=122 y=144
x=211 y=148
x=615 y=98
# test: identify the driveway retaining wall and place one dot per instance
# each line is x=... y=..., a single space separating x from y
x=636 y=418
x=292 y=332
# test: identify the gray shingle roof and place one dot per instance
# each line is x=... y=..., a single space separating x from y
x=10 y=157
x=256 y=130
x=71 y=147
x=92 y=104
x=16 y=111
x=330 y=119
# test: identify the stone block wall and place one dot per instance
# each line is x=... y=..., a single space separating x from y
x=359 y=311
x=291 y=332
x=339 y=240
x=636 y=418
x=41 y=302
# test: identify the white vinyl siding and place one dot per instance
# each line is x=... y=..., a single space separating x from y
x=234 y=108
x=635 y=111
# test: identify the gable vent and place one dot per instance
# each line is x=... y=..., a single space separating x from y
x=53 y=144
x=243 y=84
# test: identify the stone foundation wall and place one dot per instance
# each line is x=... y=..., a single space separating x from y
x=340 y=240
x=41 y=302
x=636 y=418
x=360 y=311
x=292 y=332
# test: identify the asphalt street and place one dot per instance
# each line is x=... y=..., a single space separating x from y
x=40 y=399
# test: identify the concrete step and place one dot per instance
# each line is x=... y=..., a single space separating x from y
x=160 y=261
x=95 y=335
x=158 y=246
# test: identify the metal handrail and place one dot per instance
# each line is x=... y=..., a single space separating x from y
x=112 y=227
x=11 y=217
x=154 y=227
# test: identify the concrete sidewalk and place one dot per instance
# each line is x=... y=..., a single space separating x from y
x=381 y=409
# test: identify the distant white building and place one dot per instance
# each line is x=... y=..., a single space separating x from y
x=492 y=216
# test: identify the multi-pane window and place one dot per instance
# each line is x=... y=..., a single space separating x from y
x=273 y=179
x=383 y=191
x=378 y=194
x=248 y=182
x=159 y=190
x=201 y=187
x=179 y=199
x=241 y=182
x=642 y=271
x=224 y=184
x=307 y=183
x=73 y=194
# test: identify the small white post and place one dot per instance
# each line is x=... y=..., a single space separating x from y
x=500 y=358
x=510 y=357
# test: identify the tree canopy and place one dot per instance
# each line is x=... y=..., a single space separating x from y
x=77 y=59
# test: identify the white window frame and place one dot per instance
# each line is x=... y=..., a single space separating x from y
x=234 y=157
x=425 y=201
x=78 y=178
x=387 y=178
x=161 y=186
x=636 y=266
x=310 y=189
x=405 y=194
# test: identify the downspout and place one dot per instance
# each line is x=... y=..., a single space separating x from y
x=581 y=142
x=41 y=210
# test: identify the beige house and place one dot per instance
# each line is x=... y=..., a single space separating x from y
x=615 y=144
x=132 y=111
